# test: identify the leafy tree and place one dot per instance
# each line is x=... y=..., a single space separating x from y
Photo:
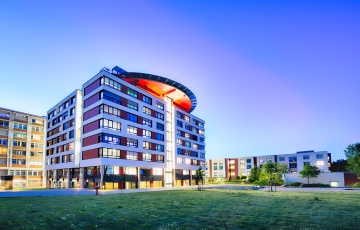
x=352 y=153
x=254 y=174
x=272 y=172
x=309 y=172
x=339 y=166
x=199 y=175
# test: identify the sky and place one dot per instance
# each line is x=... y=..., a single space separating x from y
x=270 y=77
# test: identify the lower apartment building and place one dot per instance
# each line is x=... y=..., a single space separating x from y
x=21 y=149
x=230 y=168
x=124 y=130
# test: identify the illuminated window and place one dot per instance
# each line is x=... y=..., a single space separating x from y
x=147 y=110
x=132 y=105
x=146 y=133
x=179 y=160
x=132 y=155
x=160 y=105
x=132 y=93
x=147 y=122
x=319 y=163
x=132 y=130
x=146 y=157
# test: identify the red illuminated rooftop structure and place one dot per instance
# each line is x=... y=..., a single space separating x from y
x=159 y=86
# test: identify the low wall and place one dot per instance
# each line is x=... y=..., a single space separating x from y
x=335 y=179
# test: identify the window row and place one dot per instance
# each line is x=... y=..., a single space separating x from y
x=189 y=127
x=61 y=138
x=129 y=155
x=62 y=117
x=62 y=107
x=187 y=161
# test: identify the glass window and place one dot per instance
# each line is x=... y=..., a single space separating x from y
x=132 y=117
x=146 y=133
x=132 y=155
x=159 y=126
x=160 y=116
x=132 y=93
x=159 y=148
x=159 y=137
x=281 y=158
x=179 y=123
x=132 y=105
x=110 y=124
x=248 y=166
x=147 y=122
x=319 y=156
x=132 y=130
x=292 y=159
x=293 y=165
x=147 y=110
x=110 y=97
x=160 y=105
x=306 y=157
x=146 y=157
x=132 y=142
x=147 y=100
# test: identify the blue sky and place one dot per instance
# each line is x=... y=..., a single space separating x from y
x=271 y=77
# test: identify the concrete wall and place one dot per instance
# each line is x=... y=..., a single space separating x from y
x=324 y=178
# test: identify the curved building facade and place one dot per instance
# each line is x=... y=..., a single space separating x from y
x=125 y=130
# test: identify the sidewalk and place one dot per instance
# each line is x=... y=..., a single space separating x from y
x=91 y=192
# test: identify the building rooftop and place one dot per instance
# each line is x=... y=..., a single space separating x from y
x=182 y=96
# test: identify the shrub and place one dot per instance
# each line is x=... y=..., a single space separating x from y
x=243 y=177
x=238 y=177
x=356 y=185
x=295 y=184
x=316 y=185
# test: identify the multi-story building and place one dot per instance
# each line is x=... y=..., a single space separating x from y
x=242 y=166
x=21 y=149
x=125 y=130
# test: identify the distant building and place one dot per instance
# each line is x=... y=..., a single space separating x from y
x=21 y=149
x=125 y=130
x=233 y=167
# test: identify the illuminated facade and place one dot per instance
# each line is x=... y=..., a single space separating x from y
x=21 y=149
x=233 y=167
x=125 y=130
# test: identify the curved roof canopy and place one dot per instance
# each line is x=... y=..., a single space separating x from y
x=182 y=96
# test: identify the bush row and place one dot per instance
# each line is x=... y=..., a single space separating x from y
x=298 y=184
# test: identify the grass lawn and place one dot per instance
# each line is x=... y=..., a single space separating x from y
x=185 y=209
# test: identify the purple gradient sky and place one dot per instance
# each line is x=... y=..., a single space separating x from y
x=271 y=77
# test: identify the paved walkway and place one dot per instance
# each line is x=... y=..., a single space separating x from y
x=88 y=192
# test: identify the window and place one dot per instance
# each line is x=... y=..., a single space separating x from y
x=319 y=156
x=187 y=135
x=146 y=157
x=242 y=166
x=268 y=160
x=215 y=168
x=292 y=159
x=132 y=155
x=159 y=148
x=71 y=134
x=306 y=157
x=147 y=110
x=179 y=160
x=110 y=110
x=202 y=155
x=20 y=126
x=147 y=100
x=19 y=152
x=132 y=117
x=36 y=154
x=305 y=163
x=109 y=82
x=159 y=137
x=160 y=105
x=179 y=123
x=109 y=153
x=72 y=111
x=242 y=161
x=178 y=132
x=179 y=115
x=37 y=137
x=159 y=158
x=201 y=132
x=18 y=162
x=187 y=118
x=179 y=151
x=4 y=123
x=146 y=145
x=195 y=146
x=293 y=165
x=37 y=129
x=147 y=122
x=319 y=163
x=132 y=93
x=281 y=158
x=132 y=142
x=20 y=135
x=201 y=147
x=65 y=125
x=108 y=138
x=195 y=154
x=131 y=130
x=146 y=133
x=187 y=127
x=4 y=142
x=19 y=143
x=248 y=161
x=160 y=116
x=110 y=97
x=248 y=166
x=202 y=139
x=132 y=105
x=159 y=126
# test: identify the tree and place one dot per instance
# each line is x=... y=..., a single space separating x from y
x=199 y=176
x=352 y=153
x=271 y=172
x=339 y=166
x=254 y=174
x=309 y=172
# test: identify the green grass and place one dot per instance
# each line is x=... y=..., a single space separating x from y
x=185 y=209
